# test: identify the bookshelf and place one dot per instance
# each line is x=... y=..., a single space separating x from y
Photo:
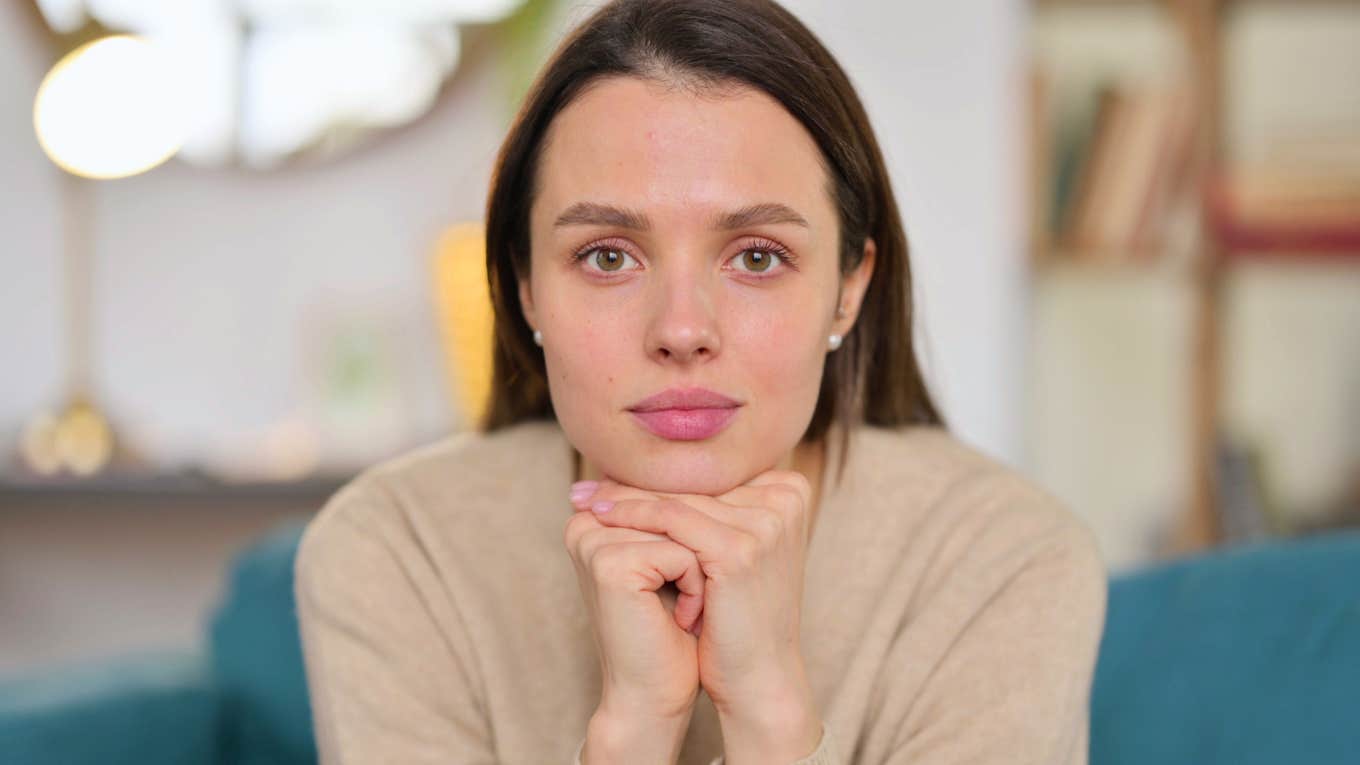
x=1102 y=246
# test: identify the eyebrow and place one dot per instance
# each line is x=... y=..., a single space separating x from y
x=594 y=213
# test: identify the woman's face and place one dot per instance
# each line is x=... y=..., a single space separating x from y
x=708 y=259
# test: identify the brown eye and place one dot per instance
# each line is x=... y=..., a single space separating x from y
x=609 y=260
x=757 y=260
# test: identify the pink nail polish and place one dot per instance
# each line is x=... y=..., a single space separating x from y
x=602 y=507
x=582 y=490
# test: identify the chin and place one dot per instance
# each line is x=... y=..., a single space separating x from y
x=695 y=467
x=677 y=477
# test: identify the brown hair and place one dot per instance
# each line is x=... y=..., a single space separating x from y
x=874 y=376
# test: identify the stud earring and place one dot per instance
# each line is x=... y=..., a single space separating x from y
x=840 y=312
x=834 y=342
x=538 y=337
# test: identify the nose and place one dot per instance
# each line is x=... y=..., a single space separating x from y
x=683 y=327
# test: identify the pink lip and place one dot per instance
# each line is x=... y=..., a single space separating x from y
x=684 y=398
x=688 y=414
x=686 y=424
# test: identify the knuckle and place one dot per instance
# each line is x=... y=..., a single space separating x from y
x=745 y=552
x=669 y=507
x=785 y=497
x=769 y=525
x=591 y=541
x=576 y=526
x=609 y=564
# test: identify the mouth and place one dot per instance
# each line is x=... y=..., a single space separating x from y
x=686 y=424
x=688 y=414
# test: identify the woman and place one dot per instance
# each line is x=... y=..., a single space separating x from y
x=772 y=550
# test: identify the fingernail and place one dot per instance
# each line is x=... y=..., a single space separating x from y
x=582 y=490
x=602 y=507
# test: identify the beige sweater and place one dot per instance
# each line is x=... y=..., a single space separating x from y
x=951 y=611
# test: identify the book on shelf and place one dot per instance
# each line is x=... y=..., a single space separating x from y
x=1284 y=210
x=1120 y=164
x=1245 y=512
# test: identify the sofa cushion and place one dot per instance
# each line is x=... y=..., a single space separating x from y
x=257 y=656
x=1247 y=655
x=138 y=708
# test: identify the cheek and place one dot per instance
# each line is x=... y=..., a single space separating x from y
x=781 y=349
x=584 y=361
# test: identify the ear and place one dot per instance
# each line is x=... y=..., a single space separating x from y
x=526 y=302
x=853 y=287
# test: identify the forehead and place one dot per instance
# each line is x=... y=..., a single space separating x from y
x=652 y=145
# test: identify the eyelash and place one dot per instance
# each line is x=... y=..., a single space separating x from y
x=776 y=249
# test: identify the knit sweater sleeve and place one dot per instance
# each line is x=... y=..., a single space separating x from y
x=826 y=752
x=386 y=683
x=1022 y=612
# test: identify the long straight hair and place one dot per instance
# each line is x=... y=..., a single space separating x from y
x=874 y=377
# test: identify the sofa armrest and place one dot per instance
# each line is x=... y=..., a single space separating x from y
x=156 y=707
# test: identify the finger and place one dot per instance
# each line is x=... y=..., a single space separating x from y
x=592 y=540
x=792 y=479
x=646 y=566
x=690 y=602
x=786 y=493
x=767 y=513
x=584 y=534
x=698 y=627
x=715 y=542
x=764 y=512
x=605 y=489
x=608 y=493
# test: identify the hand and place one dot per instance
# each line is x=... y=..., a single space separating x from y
x=751 y=544
x=648 y=658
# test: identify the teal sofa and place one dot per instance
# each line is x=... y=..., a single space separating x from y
x=1244 y=656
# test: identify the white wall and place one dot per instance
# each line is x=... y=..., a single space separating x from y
x=944 y=87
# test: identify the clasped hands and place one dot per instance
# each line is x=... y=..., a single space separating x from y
x=750 y=544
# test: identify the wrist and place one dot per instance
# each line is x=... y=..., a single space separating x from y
x=628 y=738
x=748 y=743
x=781 y=728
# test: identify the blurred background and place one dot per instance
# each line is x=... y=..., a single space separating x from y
x=240 y=260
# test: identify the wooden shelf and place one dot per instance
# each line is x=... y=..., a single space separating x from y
x=1200 y=26
x=186 y=487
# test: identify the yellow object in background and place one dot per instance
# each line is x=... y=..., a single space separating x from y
x=463 y=303
x=78 y=439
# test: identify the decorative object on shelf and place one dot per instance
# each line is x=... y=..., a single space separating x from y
x=78 y=438
x=463 y=305
x=357 y=395
x=1246 y=512
x=108 y=109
